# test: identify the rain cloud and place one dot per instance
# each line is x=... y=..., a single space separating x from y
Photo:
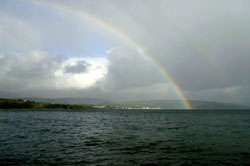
x=50 y=52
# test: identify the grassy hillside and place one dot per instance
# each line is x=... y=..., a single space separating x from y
x=79 y=101
x=25 y=104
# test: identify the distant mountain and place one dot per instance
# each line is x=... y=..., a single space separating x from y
x=177 y=104
x=85 y=101
x=156 y=104
x=215 y=105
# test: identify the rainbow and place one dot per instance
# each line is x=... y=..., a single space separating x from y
x=125 y=38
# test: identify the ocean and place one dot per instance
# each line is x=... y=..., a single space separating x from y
x=125 y=137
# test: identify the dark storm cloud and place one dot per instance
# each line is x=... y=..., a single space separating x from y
x=128 y=69
x=79 y=67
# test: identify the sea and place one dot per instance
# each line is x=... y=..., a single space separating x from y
x=125 y=137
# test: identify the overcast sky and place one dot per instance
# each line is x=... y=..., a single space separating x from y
x=46 y=51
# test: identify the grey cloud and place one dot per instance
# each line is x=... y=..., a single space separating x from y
x=204 y=45
x=79 y=67
x=194 y=40
x=128 y=69
x=29 y=65
x=28 y=71
x=16 y=34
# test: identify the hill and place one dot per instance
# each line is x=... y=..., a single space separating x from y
x=84 y=101
x=177 y=104
x=144 y=104
x=26 y=104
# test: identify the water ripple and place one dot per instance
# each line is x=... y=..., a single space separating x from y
x=110 y=138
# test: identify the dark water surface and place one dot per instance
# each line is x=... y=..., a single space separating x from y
x=125 y=137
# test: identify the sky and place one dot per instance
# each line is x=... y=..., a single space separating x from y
x=91 y=48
